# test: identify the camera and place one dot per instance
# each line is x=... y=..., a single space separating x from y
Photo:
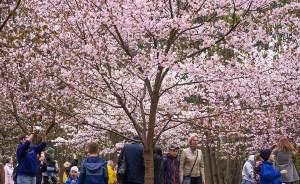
x=37 y=129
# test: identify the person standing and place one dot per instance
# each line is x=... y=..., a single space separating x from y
x=93 y=169
x=248 y=175
x=50 y=167
x=191 y=163
x=133 y=155
x=28 y=164
x=268 y=173
x=112 y=176
x=8 y=171
x=284 y=153
x=157 y=158
x=67 y=167
x=169 y=170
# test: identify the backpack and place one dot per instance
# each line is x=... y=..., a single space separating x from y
x=95 y=172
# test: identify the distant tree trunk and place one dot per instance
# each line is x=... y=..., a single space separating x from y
x=208 y=169
x=1 y=173
x=214 y=166
x=219 y=167
x=227 y=171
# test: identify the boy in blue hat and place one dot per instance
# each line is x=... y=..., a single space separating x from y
x=268 y=173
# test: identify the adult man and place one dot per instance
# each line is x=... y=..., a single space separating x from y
x=133 y=155
x=170 y=167
x=93 y=169
x=28 y=164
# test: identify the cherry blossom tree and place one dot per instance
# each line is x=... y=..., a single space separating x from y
x=136 y=62
x=29 y=97
x=151 y=67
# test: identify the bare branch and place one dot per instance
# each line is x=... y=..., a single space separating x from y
x=222 y=38
x=10 y=15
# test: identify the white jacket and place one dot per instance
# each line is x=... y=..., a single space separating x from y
x=8 y=170
x=248 y=170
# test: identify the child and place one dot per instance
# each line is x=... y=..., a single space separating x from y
x=112 y=176
x=268 y=173
x=73 y=178
x=93 y=169
x=50 y=167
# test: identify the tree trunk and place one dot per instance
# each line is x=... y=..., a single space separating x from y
x=149 y=166
x=219 y=165
x=208 y=169
x=214 y=166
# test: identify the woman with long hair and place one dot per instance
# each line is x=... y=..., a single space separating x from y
x=284 y=153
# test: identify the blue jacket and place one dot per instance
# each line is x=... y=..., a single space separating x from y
x=269 y=174
x=169 y=167
x=134 y=158
x=69 y=181
x=93 y=170
x=27 y=159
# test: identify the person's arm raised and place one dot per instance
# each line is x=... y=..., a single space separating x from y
x=39 y=148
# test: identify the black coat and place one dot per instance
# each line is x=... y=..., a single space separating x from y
x=134 y=158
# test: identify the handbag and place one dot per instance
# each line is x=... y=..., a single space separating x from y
x=187 y=179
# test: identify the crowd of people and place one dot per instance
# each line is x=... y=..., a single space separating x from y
x=37 y=165
x=272 y=166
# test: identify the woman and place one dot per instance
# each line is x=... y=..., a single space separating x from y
x=191 y=163
x=284 y=153
x=8 y=170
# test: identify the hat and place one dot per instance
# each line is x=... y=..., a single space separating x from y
x=265 y=154
x=173 y=147
x=50 y=151
x=74 y=169
x=251 y=157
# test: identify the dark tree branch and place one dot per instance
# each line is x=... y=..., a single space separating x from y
x=222 y=38
x=10 y=15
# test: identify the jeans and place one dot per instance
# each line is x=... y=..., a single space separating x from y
x=192 y=180
x=26 y=180
x=246 y=182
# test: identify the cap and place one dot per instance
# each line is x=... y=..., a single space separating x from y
x=265 y=154
x=50 y=151
x=173 y=147
x=74 y=169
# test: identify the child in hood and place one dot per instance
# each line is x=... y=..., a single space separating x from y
x=268 y=173
x=73 y=178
